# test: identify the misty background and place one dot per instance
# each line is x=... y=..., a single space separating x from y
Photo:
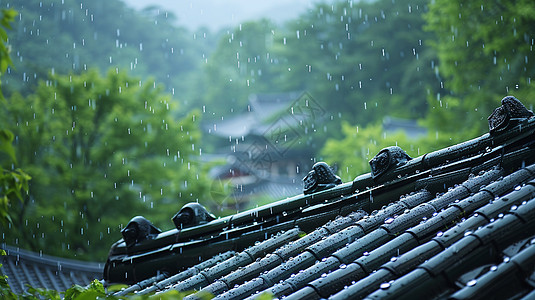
x=216 y=14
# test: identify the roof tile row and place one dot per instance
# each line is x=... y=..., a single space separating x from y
x=453 y=222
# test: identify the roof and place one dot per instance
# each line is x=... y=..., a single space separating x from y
x=261 y=111
x=409 y=127
x=458 y=222
x=43 y=271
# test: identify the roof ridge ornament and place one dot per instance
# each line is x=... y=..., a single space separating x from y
x=192 y=214
x=388 y=158
x=320 y=178
x=511 y=112
x=139 y=229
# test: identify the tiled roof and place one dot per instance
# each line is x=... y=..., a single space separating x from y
x=458 y=222
x=24 y=268
x=254 y=120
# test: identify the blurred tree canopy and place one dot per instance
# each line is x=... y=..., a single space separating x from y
x=360 y=145
x=101 y=150
x=485 y=50
x=364 y=59
x=66 y=36
x=241 y=65
x=13 y=181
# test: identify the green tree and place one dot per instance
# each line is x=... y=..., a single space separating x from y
x=364 y=60
x=13 y=182
x=360 y=61
x=63 y=36
x=485 y=51
x=359 y=145
x=100 y=151
x=240 y=66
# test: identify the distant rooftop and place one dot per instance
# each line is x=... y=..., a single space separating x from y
x=44 y=271
x=256 y=119
x=409 y=127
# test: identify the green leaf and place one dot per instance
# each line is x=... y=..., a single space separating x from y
x=89 y=295
x=73 y=291
x=6 y=139
x=116 y=287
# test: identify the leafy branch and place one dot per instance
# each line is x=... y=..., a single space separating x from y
x=12 y=181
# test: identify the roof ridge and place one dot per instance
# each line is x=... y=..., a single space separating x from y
x=53 y=261
x=429 y=245
x=510 y=226
x=383 y=235
x=441 y=197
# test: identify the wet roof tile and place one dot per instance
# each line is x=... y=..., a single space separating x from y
x=457 y=222
x=43 y=271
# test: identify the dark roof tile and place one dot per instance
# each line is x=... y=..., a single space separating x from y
x=43 y=271
x=433 y=226
x=500 y=277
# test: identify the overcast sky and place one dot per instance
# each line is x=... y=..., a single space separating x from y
x=218 y=13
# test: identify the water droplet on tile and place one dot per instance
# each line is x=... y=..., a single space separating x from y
x=384 y=285
x=471 y=282
x=389 y=220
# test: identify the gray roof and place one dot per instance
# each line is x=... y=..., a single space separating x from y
x=455 y=223
x=262 y=110
x=409 y=127
x=24 y=267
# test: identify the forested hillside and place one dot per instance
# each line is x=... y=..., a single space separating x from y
x=60 y=37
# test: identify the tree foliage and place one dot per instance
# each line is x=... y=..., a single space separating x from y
x=63 y=36
x=13 y=182
x=241 y=65
x=366 y=60
x=485 y=49
x=100 y=151
x=359 y=145
x=360 y=61
x=363 y=59
x=484 y=52
x=7 y=18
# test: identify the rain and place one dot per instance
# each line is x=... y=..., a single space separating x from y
x=113 y=109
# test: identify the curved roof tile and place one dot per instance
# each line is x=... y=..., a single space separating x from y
x=457 y=222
